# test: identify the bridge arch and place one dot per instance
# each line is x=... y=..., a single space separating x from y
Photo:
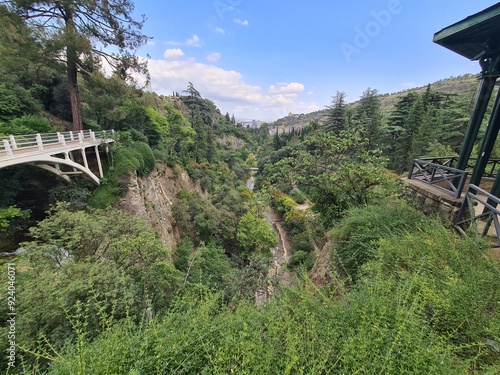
x=42 y=150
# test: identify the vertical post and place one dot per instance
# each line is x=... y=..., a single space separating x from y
x=13 y=142
x=39 y=141
x=61 y=139
x=92 y=135
x=487 y=145
x=80 y=137
x=96 y=148
x=84 y=157
x=483 y=98
x=6 y=144
x=71 y=136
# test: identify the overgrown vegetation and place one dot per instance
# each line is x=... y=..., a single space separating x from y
x=97 y=292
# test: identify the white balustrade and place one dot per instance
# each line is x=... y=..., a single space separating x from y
x=39 y=141
x=13 y=142
x=6 y=144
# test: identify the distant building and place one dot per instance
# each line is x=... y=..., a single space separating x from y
x=253 y=124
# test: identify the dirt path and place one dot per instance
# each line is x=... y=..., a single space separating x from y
x=281 y=257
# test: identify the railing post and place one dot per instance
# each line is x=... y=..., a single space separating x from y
x=6 y=144
x=92 y=135
x=410 y=174
x=71 y=136
x=13 y=142
x=61 y=139
x=39 y=141
x=80 y=136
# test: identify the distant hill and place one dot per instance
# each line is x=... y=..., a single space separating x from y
x=461 y=85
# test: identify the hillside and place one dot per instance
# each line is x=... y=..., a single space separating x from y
x=464 y=85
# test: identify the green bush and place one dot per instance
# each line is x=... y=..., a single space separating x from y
x=455 y=284
x=301 y=258
x=133 y=156
x=297 y=333
x=356 y=237
x=27 y=124
x=297 y=196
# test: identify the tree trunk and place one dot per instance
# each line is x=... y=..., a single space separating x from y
x=74 y=95
x=71 y=66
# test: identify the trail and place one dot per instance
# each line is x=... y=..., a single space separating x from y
x=281 y=256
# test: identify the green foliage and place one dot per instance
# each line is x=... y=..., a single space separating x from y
x=356 y=238
x=76 y=195
x=337 y=114
x=27 y=124
x=297 y=196
x=301 y=258
x=130 y=157
x=11 y=217
x=370 y=332
x=336 y=172
x=255 y=233
x=453 y=284
x=89 y=269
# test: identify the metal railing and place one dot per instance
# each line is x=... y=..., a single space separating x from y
x=480 y=209
x=40 y=140
x=447 y=161
x=491 y=170
x=443 y=177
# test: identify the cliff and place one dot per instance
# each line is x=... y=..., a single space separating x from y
x=151 y=197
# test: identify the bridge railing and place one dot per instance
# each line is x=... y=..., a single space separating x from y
x=443 y=177
x=480 y=209
x=38 y=141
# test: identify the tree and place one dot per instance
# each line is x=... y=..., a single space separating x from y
x=369 y=118
x=255 y=233
x=338 y=171
x=399 y=137
x=337 y=116
x=83 y=29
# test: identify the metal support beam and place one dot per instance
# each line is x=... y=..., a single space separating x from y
x=483 y=97
x=487 y=145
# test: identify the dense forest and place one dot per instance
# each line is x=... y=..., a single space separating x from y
x=371 y=284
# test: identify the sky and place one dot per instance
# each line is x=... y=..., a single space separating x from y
x=261 y=59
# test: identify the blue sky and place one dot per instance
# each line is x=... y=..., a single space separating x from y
x=263 y=59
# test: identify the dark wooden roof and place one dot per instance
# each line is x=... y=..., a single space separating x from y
x=474 y=37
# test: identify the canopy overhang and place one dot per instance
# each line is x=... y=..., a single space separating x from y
x=475 y=37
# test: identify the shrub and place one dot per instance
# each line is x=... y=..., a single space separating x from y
x=27 y=124
x=356 y=237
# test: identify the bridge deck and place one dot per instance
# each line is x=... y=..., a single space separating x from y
x=43 y=150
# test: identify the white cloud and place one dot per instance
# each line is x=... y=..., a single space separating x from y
x=151 y=43
x=240 y=22
x=173 y=54
x=284 y=88
x=220 y=30
x=194 y=41
x=214 y=57
x=226 y=88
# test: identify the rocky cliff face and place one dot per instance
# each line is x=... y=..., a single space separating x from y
x=151 y=197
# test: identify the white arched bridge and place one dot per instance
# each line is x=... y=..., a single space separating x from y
x=62 y=153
